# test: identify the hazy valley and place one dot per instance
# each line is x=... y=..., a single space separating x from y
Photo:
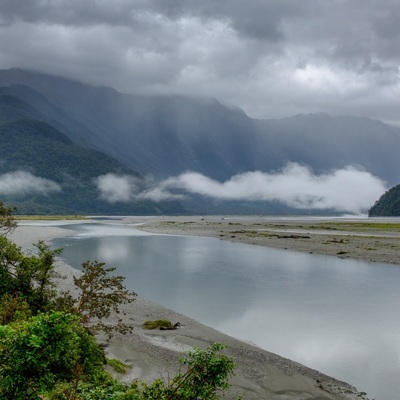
x=99 y=151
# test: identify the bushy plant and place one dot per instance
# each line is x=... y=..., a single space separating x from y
x=208 y=372
x=13 y=307
x=30 y=276
x=156 y=324
x=7 y=221
x=99 y=295
x=37 y=353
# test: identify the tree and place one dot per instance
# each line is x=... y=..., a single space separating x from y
x=7 y=221
x=30 y=277
x=99 y=295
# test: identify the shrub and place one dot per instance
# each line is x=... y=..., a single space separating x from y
x=37 y=353
x=159 y=323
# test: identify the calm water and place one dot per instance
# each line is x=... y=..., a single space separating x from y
x=340 y=317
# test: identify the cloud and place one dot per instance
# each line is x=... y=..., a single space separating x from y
x=116 y=188
x=158 y=194
x=272 y=58
x=345 y=190
x=21 y=182
x=126 y=188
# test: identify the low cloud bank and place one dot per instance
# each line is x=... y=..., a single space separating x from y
x=345 y=190
x=125 y=188
x=22 y=182
x=116 y=188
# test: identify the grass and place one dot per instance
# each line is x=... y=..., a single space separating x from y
x=159 y=323
x=48 y=217
x=358 y=226
x=259 y=234
x=343 y=226
x=117 y=366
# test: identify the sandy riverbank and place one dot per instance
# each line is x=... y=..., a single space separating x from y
x=153 y=354
x=370 y=240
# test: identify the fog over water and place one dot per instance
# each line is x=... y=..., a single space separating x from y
x=334 y=315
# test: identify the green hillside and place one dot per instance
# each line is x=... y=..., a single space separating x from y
x=34 y=146
x=388 y=205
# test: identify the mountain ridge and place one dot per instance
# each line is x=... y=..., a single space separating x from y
x=166 y=136
x=32 y=150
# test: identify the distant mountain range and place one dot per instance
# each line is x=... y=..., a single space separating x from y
x=78 y=132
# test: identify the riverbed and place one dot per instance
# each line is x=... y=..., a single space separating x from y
x=286 y=233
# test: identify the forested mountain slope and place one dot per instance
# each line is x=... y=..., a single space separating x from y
x=31 y=148
x=388 y=205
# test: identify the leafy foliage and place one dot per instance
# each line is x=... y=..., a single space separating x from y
x=28 y=276
x=99 y=295
x=43 y=350
x=7 y=222
x=117 y=366
x=159 y=323
x=207 y=372
x=13 y=307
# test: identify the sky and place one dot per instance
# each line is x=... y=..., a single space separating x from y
x=272 y=58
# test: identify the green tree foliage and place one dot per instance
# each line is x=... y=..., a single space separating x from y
x=7 y=222
x=28 y=276
x=32 y=145
x=37 y=353
x=100 y=295
x=53 y=355
x=208 y=372
x=13 y=307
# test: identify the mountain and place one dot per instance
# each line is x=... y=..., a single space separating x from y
x=36 y=149
x=388 y=204
x=165 y=136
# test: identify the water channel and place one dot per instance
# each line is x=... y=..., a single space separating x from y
x=338 y=316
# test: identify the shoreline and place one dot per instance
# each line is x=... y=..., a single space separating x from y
x=154 y=354
x=337 y=237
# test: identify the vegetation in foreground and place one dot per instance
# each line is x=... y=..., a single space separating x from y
x=47 y=345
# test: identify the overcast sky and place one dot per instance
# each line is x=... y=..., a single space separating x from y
x=273 y=58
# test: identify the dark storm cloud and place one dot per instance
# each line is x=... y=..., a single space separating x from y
x=273 y=58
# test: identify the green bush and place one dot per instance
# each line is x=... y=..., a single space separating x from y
x=37 y=353
x=208 y=372
x=159 y=323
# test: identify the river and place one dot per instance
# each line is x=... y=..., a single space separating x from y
x=338 y=316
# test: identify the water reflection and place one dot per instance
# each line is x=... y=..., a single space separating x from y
x=337 y=316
